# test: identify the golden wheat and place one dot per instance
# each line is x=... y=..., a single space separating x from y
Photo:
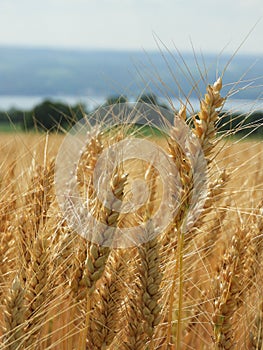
x=195 y=289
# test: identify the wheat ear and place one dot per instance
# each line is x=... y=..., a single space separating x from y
x=14 y=316
x=37 y=286
x=205 y=123
x=228 y=291
x=97 y=255
x=85 y=172
x=134 y=332
x=107 y=301
x=149 y=271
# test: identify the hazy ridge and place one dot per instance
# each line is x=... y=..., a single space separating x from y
x=28 y=71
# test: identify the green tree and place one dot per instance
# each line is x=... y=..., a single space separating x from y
x=53 y=116
x=152 y=99
x=242 y=124
x=115 y=99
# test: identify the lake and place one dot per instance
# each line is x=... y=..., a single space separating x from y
x=28 y=102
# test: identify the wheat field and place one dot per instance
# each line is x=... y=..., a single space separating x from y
x=199 y=289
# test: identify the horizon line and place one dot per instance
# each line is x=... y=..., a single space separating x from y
x=117 y=50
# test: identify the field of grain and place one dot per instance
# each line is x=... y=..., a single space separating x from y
x=199 y=289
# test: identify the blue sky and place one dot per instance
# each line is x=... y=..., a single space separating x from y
x=131 y=24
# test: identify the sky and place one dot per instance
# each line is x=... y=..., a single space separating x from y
x=211 y=25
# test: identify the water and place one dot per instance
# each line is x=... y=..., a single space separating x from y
x=28 y=102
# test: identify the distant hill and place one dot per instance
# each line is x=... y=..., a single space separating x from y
x=49 y=72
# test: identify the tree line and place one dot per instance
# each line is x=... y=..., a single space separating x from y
x=57 y=116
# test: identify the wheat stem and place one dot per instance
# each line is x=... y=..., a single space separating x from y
x=181 y=288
